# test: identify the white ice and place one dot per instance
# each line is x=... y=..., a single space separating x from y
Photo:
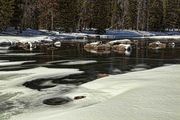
x=79 y=62
x=22 y=54
x=6 y=63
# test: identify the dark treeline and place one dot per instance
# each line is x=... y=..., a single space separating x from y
x=70 y=15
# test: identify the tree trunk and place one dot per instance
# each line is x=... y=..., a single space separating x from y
x=52 y=20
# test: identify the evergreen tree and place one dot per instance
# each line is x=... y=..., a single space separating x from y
x=17 y=14
x=101 y=15
x=155 y=15
x=81 y=14
x=48 y=10
x=132 y=14
x=30 y=14
x=172 y=13
x=68 y=15
x=6 y=12
x=85 y=13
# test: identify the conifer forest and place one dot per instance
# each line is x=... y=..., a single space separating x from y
x=73 y=15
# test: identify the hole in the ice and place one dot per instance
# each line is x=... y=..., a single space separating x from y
x=57 y=101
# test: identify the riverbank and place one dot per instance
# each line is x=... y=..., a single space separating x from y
x=146 y=95
x=31 y=35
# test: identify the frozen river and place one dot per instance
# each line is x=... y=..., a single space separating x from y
x=27 y=80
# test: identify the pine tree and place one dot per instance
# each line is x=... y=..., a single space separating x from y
x=101 y=15
x=81 y=14
x=133 y=14
x=155 y=15
x=48 y=9
x=6 y=13
x=85 y=13
x=17 y=14
x=30 y=14
x=68 y=15
x=173 y=13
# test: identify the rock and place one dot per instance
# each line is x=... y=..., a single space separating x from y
x=157 y=45
x=103 y=47
x=92 y=45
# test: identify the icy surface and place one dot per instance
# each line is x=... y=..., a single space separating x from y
x=22 y=54
x=165 y=37
x=145 y=95
x=79 y=62
x=14 y=63
x=16 y=98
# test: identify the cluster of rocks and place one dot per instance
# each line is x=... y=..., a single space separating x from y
x=160 y=45
x=124 y=47
x=119 y=46
x=30 y=46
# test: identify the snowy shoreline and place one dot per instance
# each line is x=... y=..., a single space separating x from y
x=146 y=95
x=30 y=35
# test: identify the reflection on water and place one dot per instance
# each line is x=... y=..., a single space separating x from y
x=105 y=63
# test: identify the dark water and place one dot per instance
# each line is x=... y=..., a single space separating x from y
x=141 y=58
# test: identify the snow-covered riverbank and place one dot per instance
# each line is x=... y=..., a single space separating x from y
x=146 y=95
x=30 y=35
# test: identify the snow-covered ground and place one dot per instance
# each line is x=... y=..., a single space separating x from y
x=146 y=95
x=30 y=35
x=6 y=38
x=165 y=37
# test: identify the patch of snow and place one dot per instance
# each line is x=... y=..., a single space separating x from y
x=58 y=61
x=79 y=62
x=5 y=64
x=165 y=37
x=138 y=69
x=123 y=33
x=4 y=48
x=4 y=51
x=22 y=54
x=22 y=39
x=95 y=43
x=31 y=32
x=119 y=41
